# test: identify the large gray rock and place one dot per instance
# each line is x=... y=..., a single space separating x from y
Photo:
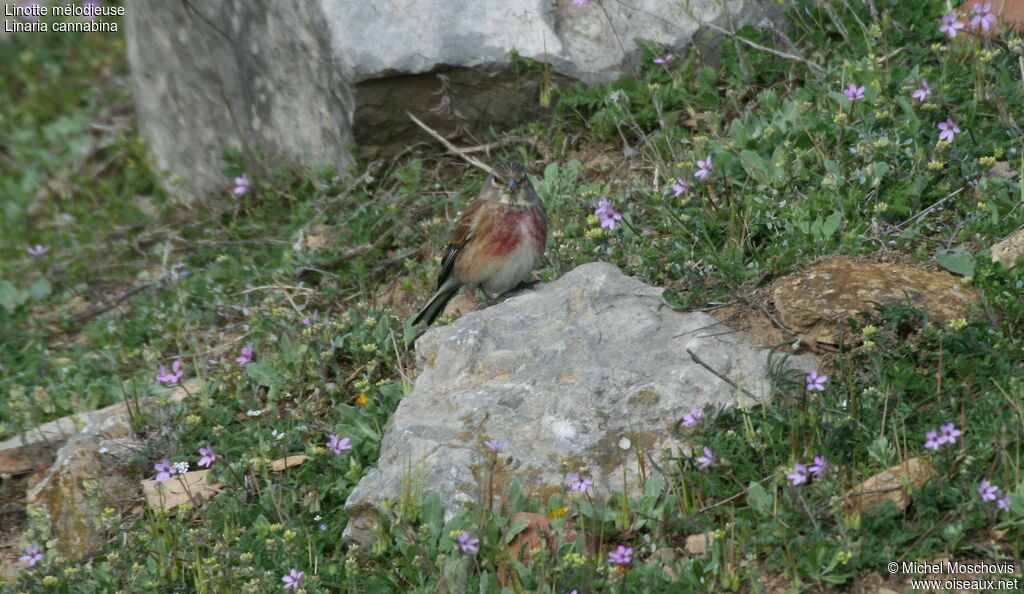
x=297 y=82
x=578 y=373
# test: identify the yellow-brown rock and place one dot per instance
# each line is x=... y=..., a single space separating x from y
x=817 y=301
x=893 y=484
x=1008 y=249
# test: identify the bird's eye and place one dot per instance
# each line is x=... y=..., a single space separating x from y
x=513 y=185
x=495 y=182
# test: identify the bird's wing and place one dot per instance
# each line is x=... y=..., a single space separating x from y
x=460 y=236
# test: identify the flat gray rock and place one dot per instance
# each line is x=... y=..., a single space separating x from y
x=577 y=374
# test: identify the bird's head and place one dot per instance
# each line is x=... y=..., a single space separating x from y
x=508 y=184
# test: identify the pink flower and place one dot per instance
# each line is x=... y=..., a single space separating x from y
x=932 y=440
x=165 y=470
x=680 y=186
x=949 y=433
x=33 y=555
x=609 y=217
x=468 y=544
x=309 y=320
x=664 y=59
x=242 y=185
x=37 y=250
x=336 y=445
x=621 y=556
x=853 y=92
x=246 y=356
x=293 y=579
x=922 y=92
x=91 y=9
x=692 y=418
x=704 y=168
x=949 y=130
x=208 y=457
x=815 y=382
x=1003 y=502
x=706 y=460
x=983 y=16
x=799 y=475
x=819 y=466
x=579 y=3
x=579 y=483
x=496 y=445
x=173 y=377
x=988 y=491
x=950 y=24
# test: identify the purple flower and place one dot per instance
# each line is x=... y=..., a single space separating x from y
x=32 y=555
x=706 y=460
x=337 y=445
x=208 y=457
x=309 y=320
x=468 y=544
x=621 y=556
x=819 y=466
x=293 y=579
x=854 y=150
x=815 y=382
x=664 y=59
x=173 y=377
x=704 y=168
x=922 y=92
x=799 y=475
x=853 y=92
x=246 y=356
x=607 y=214
x=932 y=441
x=579 y=3
x=1003 y=502
x=680 y=186
x=242 y=185
x=579 y=483
x=165 y=470
x=496 y=445
x=949 y=130
x=950 y=24
x=949 y=433
x=983 y=16
x=988 y=491
x=91 y=8
x=692 y=418
x=37 y=250
x=322 y=527
x=31 y=9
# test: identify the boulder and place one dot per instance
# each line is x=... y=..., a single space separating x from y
x=93 y=470
x=582 y=375
x=298 y=82
x=816 y=302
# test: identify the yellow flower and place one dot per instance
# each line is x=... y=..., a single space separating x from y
x=558 y=512
x=936 y=164
x=362 y=399
x=868 y=330
x=956 y=324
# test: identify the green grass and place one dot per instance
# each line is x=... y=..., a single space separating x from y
x=785 y=189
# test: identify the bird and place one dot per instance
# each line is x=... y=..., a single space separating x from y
x=498 y=239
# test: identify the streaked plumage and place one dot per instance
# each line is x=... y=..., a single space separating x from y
x=498 y=240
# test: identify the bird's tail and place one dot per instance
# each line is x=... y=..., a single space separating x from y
x=436 y=305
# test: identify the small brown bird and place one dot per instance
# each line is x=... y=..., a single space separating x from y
x=498 y=240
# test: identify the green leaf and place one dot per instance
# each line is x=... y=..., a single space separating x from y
x=831 y=224
x=516 y=527
x=41 y=288
x=759 y=499
x=958 y=261
x=263 y=374
x=9 y=295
